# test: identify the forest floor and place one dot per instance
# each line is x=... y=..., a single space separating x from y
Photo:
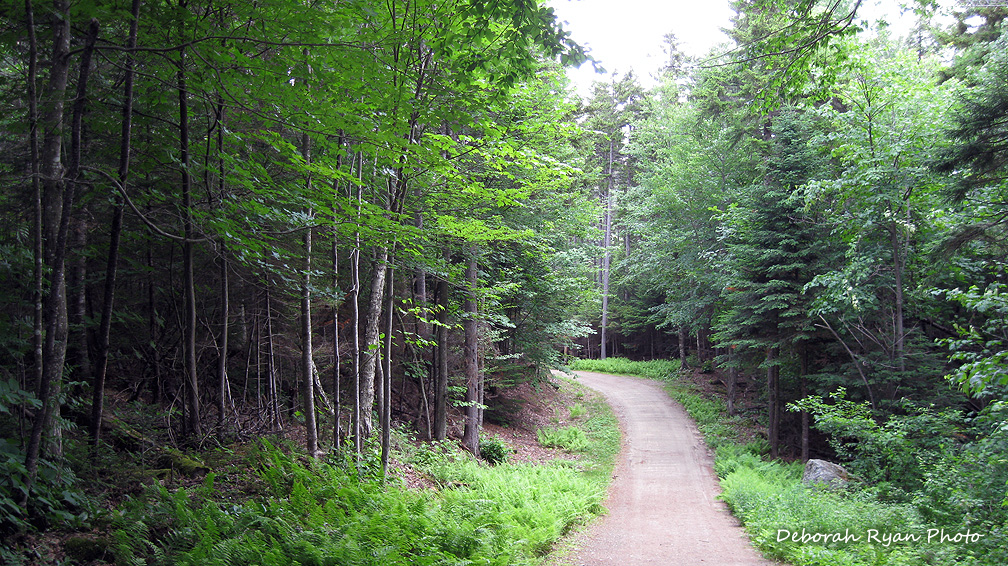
x=662 y=506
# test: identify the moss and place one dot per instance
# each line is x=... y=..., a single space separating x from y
x=83 y=548
x=183 y=464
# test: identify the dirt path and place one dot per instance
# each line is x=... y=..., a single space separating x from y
x=662 y=506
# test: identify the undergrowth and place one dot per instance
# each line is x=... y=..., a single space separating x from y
x=330 y=512
x=653 y=369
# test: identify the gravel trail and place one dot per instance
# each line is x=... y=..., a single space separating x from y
x=662 y=501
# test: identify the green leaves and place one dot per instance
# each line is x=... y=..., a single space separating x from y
x=982 y=346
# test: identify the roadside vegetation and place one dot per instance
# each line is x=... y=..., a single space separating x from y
x=266 y=502
x=928 y=488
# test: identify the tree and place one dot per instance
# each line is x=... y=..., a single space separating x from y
x=609 y=115
x=884 y=131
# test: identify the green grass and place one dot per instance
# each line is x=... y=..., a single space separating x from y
x=577 y=410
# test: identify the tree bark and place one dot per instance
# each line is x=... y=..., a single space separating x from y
x=470 y=435
x=773 y=402
x=441 y=376
x=191 y=423
x=55 y=204
x=307 y=363
x=223 y=390
x=355 y=322
x=370 y=355
x=804 y=392
x=898 y=338
x=337 y=436
x=606 y=242
x=682 y=347
x=386 y=409
x=77 y=344
x=732 y=381
x=222 y=345
x=37 y=221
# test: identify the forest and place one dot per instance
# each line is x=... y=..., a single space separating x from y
x=338 y=223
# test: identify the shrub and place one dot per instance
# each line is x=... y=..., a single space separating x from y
x=494 y=451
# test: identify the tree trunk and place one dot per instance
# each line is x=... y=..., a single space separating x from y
x=355 y=322
x=273 y=402
x=372 y=321
x=606 y=242
x=898 y=338
x=386 y=409
x=307 y=363
x=38 y=223
x=470 y=435
x=55 y=204
x=732 y=381
x=77 y=344
x=773 y=402
x=223 y=389
x=222 y=345
x=682 y=347
x=115 y=232
x=191 y=423
x=336 y=346
x=441 y=375
x=335 y=313
x=804 y=392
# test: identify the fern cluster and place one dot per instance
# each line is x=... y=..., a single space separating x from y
x=326 y=513
x=654 y=369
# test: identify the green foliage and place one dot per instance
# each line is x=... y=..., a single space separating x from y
x=891 y=453
x=811 y=526
x=769 y=498
x=569 y=438
x=577 y=410
x=494 y=450
x=55 y=499
x=982 y=346
x=653 y=369
x=326 y=512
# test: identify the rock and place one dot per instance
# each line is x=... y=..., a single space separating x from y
x=85 y=549
x=823 y=472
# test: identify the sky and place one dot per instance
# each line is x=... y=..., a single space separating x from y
x=627 y=34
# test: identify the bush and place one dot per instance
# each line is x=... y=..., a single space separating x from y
x=494 y=451
x=890 y=452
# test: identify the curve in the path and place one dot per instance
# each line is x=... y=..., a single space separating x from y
x=662 y=502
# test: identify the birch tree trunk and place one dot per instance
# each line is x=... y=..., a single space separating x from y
x=370 y=355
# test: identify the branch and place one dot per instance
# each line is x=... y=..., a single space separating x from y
x=153 y=227
x=871 y=396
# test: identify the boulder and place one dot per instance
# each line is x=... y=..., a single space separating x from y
x=823 y=472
